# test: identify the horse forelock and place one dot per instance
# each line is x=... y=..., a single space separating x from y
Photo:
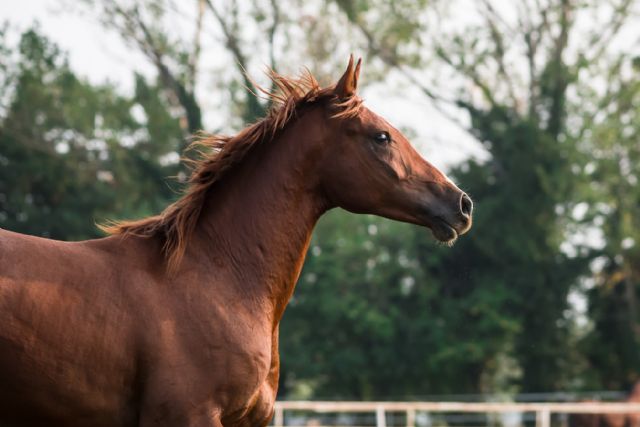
x=217 y=154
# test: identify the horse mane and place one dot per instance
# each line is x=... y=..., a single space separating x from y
x=219 y=153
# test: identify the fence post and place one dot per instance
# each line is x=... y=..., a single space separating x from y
x=278 y=419
x=411 y=418
x=543 y=418
x=380 y=417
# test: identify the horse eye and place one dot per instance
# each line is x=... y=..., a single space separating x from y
x=382 y=138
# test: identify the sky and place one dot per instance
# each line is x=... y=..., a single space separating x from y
x=101 y=56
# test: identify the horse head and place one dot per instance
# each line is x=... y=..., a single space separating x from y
x=368 y=166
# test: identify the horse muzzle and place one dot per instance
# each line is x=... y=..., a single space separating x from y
x=448 y=224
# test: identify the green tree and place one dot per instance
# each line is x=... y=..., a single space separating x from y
x=613 y=343
x=72 y=153
x=503 y=289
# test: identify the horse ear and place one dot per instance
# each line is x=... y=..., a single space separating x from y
x=348 y=83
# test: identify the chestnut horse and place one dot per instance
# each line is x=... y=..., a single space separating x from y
x=173 y=320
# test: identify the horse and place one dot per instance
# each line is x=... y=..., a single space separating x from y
x=172 y=320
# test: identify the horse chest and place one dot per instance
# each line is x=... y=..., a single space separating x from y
x=246 y=366
x=226 y=358
x=244 y=378
x=213 y=348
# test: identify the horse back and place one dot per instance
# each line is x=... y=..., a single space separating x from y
x=66 y=345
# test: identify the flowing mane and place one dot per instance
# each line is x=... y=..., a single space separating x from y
x=220 y=153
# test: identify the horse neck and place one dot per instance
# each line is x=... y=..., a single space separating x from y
x=258 y=221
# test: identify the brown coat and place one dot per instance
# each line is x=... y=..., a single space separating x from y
x=173 y=320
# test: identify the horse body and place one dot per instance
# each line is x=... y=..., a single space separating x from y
x=108 y=333
x=66 y=344
x=140 y=349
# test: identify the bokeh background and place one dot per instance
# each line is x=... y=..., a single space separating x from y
x=532 y=106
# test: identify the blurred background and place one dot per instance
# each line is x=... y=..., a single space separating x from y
x=532 y=106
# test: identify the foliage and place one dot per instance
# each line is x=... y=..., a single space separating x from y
x=372 y=317
x=522 y=260
x=613 y=346
x=73 y=153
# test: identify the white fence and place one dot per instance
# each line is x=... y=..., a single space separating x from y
x=542 y=411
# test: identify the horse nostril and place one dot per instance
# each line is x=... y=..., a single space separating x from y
x=466 y=205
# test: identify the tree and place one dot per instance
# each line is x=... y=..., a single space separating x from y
x=72 y=153
x=613 y=344
x=519 y=95
x=145 y=25
x=379 y=315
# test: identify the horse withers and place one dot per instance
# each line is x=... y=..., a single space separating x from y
x=173 y=320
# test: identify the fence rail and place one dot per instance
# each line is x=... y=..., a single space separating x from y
x=543 y=411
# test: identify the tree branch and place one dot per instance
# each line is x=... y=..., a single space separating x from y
x=197 y=45
x=133 y=28
x=184 y=97
x=621 y=12
x=253 y=108
x=492 y=17
x=558 y=72
x=470 y=72
x=389 y=57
